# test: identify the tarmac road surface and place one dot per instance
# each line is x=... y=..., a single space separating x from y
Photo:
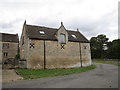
x=104 y=76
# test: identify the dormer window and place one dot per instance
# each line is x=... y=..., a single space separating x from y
x=62 y=35
x=62 y=39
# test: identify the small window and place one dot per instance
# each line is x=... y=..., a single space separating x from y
x=42 y=32
x=62 y=46
x=5 y=45
x=74 y=36
x=8 y=45
x=5 y=54
x=32 y=45
x=62 y=38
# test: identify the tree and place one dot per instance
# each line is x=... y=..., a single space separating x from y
x=98 y=45
x=114 y=49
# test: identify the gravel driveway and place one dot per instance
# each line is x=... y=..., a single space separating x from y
x=9 y=75
x=104 y=76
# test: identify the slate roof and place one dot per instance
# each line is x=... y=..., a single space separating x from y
x=5 y=37
x=33 y=33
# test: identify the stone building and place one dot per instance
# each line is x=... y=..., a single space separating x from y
x=9 y=46
x=46 y=48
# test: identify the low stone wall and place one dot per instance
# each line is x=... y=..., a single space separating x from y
x=22 y=64
x=10 y=63
x=106 y=60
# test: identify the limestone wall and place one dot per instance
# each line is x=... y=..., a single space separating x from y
x=86 y=54
x=0 y=52
x=24 y=45
x=35 y=57
x=57 y=56
x=11 y=51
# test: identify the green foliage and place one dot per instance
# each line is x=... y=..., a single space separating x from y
x=98 y=45
x=114 y=49
x=31 y=74
x=102 y=49
x=17 y=56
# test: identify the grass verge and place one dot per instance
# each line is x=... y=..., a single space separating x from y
x=32 y=74
x=114 y=63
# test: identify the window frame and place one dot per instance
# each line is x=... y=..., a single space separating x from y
x=5 y=54
x=62 y=40
x=6 y=45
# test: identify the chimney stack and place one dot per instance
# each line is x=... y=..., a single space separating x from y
x=61 y=23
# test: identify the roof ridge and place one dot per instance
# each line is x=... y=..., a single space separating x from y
x=72 y=30
x=8 y=33
x=50 y=27
x=41 y=26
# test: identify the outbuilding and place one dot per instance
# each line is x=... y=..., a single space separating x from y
x=9 y=46
x=48 y=48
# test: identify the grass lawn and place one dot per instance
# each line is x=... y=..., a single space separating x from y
x=32 y=74
x=114 y=63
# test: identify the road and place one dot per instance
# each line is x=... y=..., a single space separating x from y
x=104 y=76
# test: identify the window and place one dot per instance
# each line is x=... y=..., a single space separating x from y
x=5 y=45
x=32 y=45
x=42 y=32
x=5 y=54
x=62 y=46
x=73 y=36
x=62 y=38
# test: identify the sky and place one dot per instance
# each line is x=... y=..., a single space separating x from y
x=91 y=17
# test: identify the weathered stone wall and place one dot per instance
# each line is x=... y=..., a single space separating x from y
x=86 y=54
x=22 y=64
x=35 y=59
x=55 y=56
x=62 y=58
x=0 y=52
x=12 y=50
x=24 y=45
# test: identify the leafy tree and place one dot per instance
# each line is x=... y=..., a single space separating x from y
x=101 y=48
x=114 y=49
x=98 y=45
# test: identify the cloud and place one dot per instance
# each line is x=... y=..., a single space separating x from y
x=108 y=25
x=92 y=17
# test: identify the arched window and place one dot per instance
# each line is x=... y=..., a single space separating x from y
x=62 y=39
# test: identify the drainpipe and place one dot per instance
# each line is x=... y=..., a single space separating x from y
x=44 y=56
x=80 y=54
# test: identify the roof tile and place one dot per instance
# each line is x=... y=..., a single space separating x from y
x=5 y=37
x=33 y=33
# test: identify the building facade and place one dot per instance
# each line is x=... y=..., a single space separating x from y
x=47 y=48
x=9 y=46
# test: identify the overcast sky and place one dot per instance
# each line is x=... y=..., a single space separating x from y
x=92 y=17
